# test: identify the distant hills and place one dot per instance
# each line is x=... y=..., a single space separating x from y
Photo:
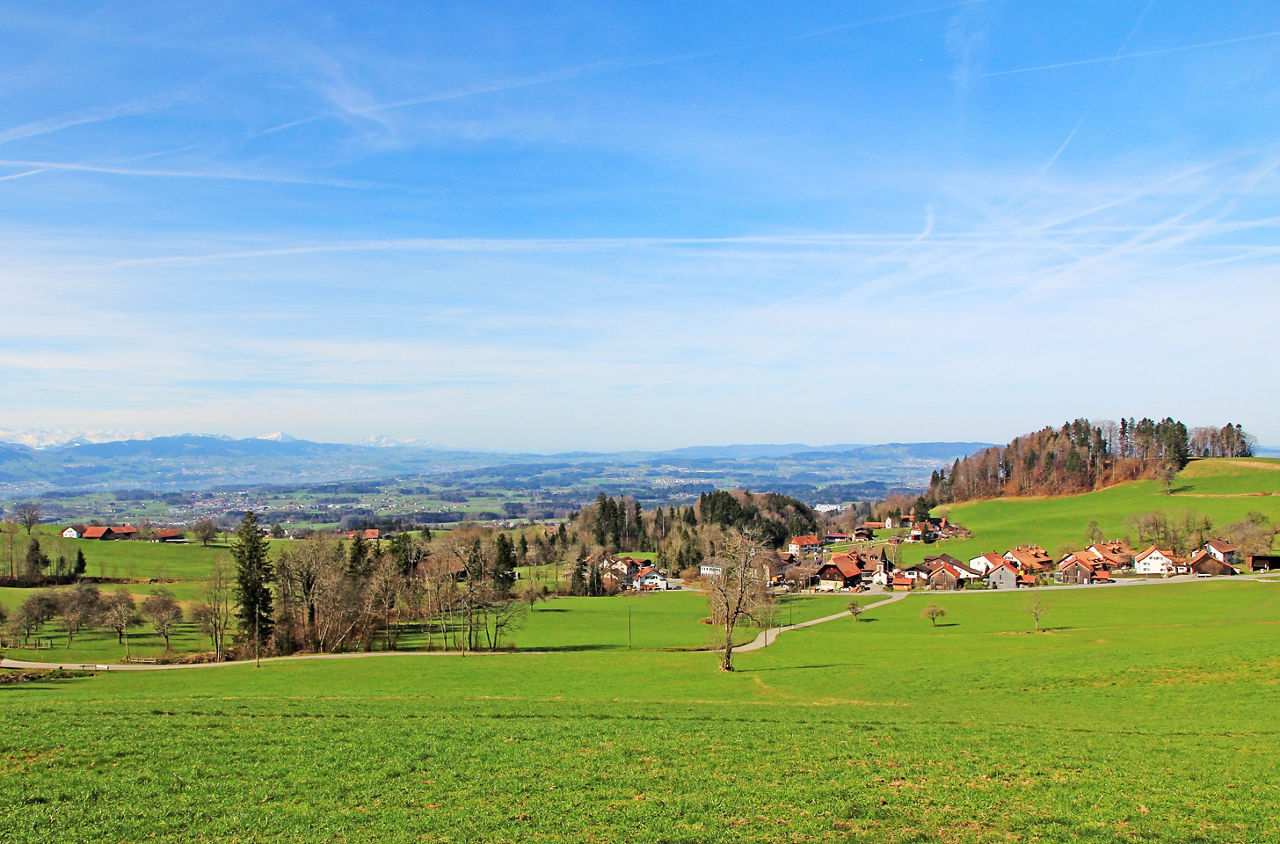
x=204 y=461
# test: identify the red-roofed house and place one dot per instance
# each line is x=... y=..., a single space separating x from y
x=1155 y=561
x=985 y=562
x=649 y=580
x=97 y=532
x=803 y=544
x=840 y=572
x=947 y=576
x=1223 y=552
x=1206 y=564
x=167 y=535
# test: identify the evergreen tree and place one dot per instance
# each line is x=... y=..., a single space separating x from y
x=81 y=563
x=504 y=562
x=254 y=574
x=358 y=562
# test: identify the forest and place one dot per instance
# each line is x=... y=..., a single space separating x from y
x=1082 y=456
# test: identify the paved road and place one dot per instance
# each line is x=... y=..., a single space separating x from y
x=768 y=636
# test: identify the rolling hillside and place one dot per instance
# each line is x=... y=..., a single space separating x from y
x=1223 y=489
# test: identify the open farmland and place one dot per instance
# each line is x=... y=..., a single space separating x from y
x=1140 y=715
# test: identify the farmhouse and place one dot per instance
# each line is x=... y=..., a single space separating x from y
x=947 y=576
x=841 y=572
x=1113 y=555
x=804 y=544
x=166 y=535
x=985 y=562
x=1030 y=559
x=1156 y=561
x=710 y=568
x=73 y=532
x=1205 y=563
x=97 y=532
x=1077 y=568
x=649 y=580
x=1223 y=552
x=1003 y=576
x=922 y=532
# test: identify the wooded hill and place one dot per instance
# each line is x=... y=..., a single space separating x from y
x=1082 y=456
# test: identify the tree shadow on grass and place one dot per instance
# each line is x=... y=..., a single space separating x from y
x=548 y=609
x=787 y=668
x=572 y=648
x=948 y=624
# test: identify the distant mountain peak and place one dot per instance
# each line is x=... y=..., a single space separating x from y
x=277 y=437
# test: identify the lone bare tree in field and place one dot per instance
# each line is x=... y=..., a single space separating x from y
x=856 y=609
x=1037 y=607
x=738 y=590
x=933 y=612
x=28 y=515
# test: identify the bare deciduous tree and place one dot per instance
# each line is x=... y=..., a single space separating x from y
x=933 y=612
x=1037 y=607
x=738 y=590
x=77 y=607
x=856 y=609
x=119 y=612
x=162 y=610
x=28 y=514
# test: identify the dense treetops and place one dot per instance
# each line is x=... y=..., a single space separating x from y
x=1082 y=456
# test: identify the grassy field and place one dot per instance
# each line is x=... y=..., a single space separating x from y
x=1142 y=714
x=1225 y=490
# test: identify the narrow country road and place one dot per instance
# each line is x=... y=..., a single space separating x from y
x=768 y=636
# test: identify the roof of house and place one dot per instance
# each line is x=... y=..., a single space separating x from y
x=96 y=532
x=991 y=557
x=1004 y=564
x=1154 y=550
x=647 y=571
x=807 y=539
x=124 y=529
x=845 y=564
x=1221 y=546
x=167 y=533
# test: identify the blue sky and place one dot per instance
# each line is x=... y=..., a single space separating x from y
x=609 y=225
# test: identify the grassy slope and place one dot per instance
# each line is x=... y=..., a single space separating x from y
x=1141 y=716
x=1002 y=523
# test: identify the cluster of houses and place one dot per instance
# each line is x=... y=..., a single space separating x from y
x=625 y=572
x=113 y=532
x=1027 y=565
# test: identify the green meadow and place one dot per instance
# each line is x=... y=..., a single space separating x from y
x=1224 y=490
x=1140 y=713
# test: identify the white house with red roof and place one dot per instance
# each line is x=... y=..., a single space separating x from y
x=1223 y=552
x=649 y=580
x=1157 y=561
x=984 y=563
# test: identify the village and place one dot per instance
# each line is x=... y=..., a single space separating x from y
x=816 y=563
